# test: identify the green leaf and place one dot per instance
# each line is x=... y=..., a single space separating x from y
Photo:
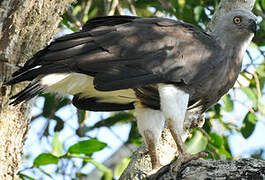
x=251 y=95
x=25 y=177
x=182 y=2
x=134 y=136
x=76 y=10
x=229 y=105
x=198 y=12
x=44 y=159
x=262 y=108
x=249 y=124
x=57 y=145
x=86 y=147
x=261 y=69
x=224 y=152
x=197 y=143
x=121 y=167
x=216 y=140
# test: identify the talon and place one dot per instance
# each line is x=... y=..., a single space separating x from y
x=207 y=153
x=186 y=157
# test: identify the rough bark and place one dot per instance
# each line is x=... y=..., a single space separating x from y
x=200 y=169
x=140 y=164
x=25 y=27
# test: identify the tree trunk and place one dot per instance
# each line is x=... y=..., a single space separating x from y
x=140 y=164
x=25 y=27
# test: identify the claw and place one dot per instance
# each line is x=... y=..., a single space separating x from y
x=186 y=157
x=176 y=164
x=209 y=153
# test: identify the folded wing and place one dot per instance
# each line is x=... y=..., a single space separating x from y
x=119 y=53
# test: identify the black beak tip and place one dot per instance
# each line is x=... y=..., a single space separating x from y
x=252 y=26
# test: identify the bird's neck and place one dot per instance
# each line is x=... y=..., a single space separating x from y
x=233 y=47
x=234 y=52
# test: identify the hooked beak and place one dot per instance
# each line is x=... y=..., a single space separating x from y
x=252 y=26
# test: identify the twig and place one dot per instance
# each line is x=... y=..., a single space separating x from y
x=115 y=3
x=262 y=8
x=249 y=108
x=35 y=117
x=73 y=19
x=120 y=9
x=115 y=134
x=257 y=84
x=132 y=8
x=250 y=57
x=257 y=87
x=86 y=7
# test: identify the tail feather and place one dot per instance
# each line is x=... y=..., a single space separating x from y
x=32 y=73
x=32 y=90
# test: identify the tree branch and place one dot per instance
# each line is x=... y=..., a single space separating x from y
x=222 y=169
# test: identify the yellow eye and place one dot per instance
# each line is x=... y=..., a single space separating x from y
x=237 y=20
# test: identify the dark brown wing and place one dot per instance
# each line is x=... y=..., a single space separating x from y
x=127 y=52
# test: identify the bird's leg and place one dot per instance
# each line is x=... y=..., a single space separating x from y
x=150 y=124
x=152 y=149
x=174 y=103
x=184 y=155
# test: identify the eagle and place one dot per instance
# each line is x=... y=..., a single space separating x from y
x=164 y=69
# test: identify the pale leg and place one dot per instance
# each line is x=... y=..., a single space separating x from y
x=150 y=124
x=174 y=103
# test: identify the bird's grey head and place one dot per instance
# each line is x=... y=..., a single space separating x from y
x=236 y=27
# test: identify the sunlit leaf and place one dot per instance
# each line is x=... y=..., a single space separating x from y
x=229 y=105
x=120 y=168
x=251 y=95
x=216 y=139
x=57 y=145
x=198 y=12
x=86 y=147
x=44 y=159
x=262 y=107
x=197 y=143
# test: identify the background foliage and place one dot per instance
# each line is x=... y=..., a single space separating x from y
x=237 y=112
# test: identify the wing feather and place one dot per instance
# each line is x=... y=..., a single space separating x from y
x=126 y=52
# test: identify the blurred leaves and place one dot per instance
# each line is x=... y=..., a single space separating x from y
x=87 y=148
